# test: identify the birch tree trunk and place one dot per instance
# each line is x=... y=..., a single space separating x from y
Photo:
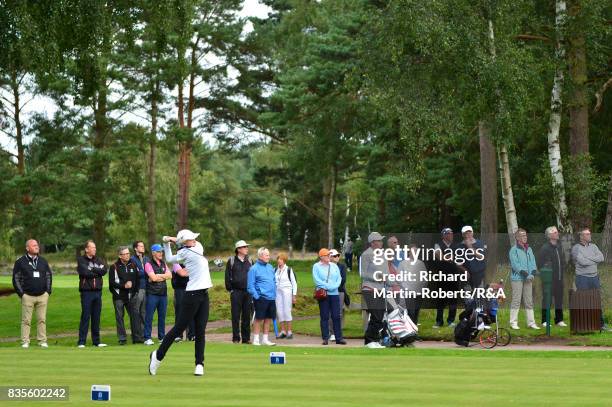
x=554 y=124
x=507 y=194
x=288 y=223
x=347 y=219
x=330 y=208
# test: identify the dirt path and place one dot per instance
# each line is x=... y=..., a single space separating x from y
x=314 y=341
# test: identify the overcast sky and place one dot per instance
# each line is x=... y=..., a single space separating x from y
x=44 y=105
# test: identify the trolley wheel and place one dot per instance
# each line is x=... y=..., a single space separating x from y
x=503 y=337
x=487 y=338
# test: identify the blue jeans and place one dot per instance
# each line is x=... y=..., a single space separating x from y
x=159 y=303
x=331 y=304
x=590 y=283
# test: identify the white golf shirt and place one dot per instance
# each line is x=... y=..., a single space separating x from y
x=195 y=263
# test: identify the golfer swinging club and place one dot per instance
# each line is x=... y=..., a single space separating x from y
x=195 y=302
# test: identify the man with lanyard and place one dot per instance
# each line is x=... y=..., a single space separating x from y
x=195 y=302
x=32 y=282
x=139 y=302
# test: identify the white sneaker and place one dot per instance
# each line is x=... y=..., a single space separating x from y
x=256 y=340
x=199 y=370
x=101 y=345
x=561 y=323
x=534 y=326
x=514 y=326
x=44 y=345
x=25 y=345
x=267 y=342
x=154 y=363
x=149 y=342
x=374 y=345
x=81 y=346
x=332 y=338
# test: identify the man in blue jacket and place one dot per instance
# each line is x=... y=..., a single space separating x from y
x=261 y=284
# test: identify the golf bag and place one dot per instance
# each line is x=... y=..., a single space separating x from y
x=400 y=328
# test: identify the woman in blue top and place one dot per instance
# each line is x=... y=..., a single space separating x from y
x=326 y=275
x=524 y=269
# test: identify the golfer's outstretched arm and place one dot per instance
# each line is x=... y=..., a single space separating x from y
x=170 y=258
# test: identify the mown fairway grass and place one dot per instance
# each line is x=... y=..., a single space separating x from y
x=238 y=375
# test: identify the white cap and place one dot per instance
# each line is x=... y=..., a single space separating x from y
x=186 y=234
x=374 y=236
x=334 y=252
x=241 y=243
x=466 y=229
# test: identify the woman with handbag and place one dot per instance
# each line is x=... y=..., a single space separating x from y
x=327 y=279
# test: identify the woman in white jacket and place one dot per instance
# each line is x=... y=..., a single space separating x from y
x=286 y=290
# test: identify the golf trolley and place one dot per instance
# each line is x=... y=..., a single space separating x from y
x=480 y=321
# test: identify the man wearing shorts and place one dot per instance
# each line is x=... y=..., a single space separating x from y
x=261 y=284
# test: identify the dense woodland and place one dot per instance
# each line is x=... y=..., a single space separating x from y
x=326 y=119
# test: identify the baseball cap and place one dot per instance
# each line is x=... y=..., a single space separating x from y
x=447 y=230
x=374 y=236
x=334 y=252
x=323 y=252
x=466 y=229
x=156 y=248
x=241 y=243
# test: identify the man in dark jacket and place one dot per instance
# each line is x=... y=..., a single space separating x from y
x=139 y=303
x=91 y=269
x=32 y=278
x=445 y=264
x=123 y=284
x=551 y=256
x=236 y=273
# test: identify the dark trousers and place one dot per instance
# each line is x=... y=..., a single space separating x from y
x=241 y=315
x=331 y=304
x=179 y=293
x=194 y=308
x=157 y=303
x=348 y=260
x=590 y=283
x=91 y=308
x=556 y=299
x=120 y=307
x=376 y=309
x=137 y=315
x=452 y=311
